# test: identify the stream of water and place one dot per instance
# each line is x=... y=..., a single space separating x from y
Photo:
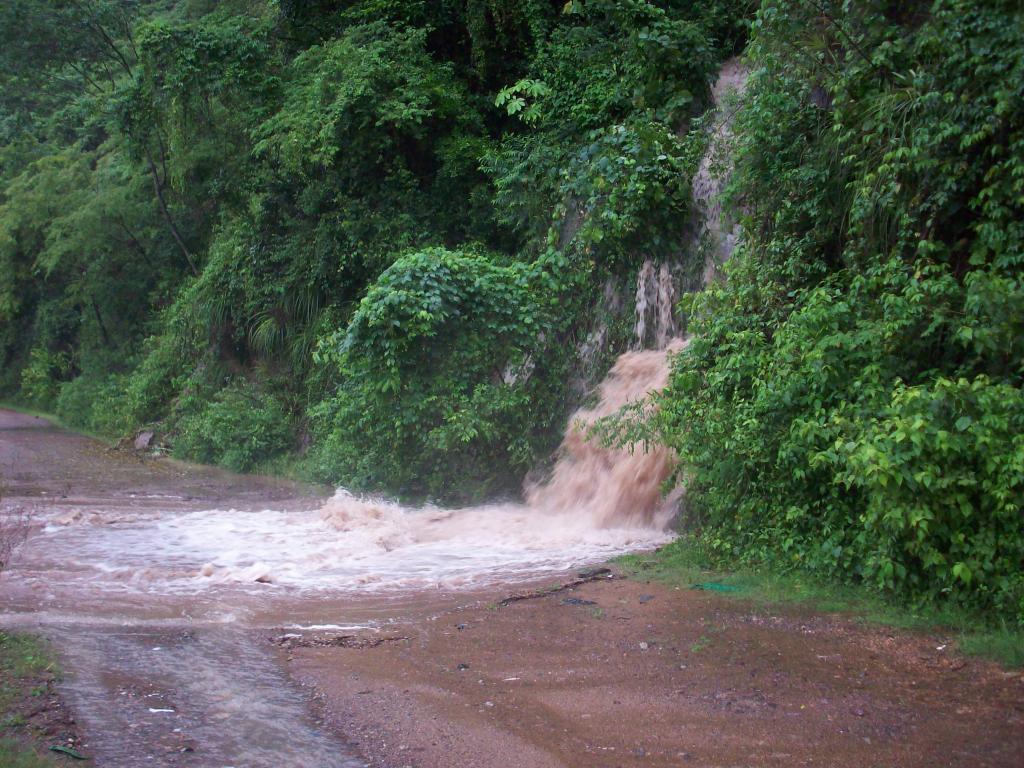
x=160 y=604
x=598 y=503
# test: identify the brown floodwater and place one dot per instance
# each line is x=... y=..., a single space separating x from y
x=168 y=663
x=153 y=677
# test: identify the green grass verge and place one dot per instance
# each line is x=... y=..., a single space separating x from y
x=14 y=755
x=287 y=466
x=682 y=564
x=11 y=405
x=23 y=658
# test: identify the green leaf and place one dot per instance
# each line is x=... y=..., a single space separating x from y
x=60 y=748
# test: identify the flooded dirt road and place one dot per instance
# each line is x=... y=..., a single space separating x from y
x=151 y=678
x=206 y=619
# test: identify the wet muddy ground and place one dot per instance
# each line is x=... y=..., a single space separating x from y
x=610 y=673
x=621 y=673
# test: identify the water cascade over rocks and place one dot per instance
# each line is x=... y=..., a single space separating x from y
x=710 y=239
x=655 y=298
x=597 y=498
x=613 y=486
x=598 y=501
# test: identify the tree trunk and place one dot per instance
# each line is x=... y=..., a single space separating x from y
x=158 y=188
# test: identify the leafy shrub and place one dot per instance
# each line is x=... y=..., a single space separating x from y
x=371 y=90
x=632 y=187
x=942 y=471
x=213 y=188
x=443 y=392
x=96 y=404
x=155 y=382
x=607 y=91
x=852 y=400
x=41 y=377
x=239 y=428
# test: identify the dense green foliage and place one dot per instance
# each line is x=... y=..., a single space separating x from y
x=373 y=232
x=442 y=362
x=852 y=399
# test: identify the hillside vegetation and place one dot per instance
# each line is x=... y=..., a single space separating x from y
x=851 y=402
x=339 y=227
x=379 y=239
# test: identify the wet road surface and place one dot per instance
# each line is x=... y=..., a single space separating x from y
x=166 y=667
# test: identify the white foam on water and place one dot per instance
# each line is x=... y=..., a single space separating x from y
x=378 y=546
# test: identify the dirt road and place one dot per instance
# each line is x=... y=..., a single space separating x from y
x=622 y=673
x=160 y=671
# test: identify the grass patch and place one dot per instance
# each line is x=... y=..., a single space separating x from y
x=1003 y=644
x=23 y=660
x=24 y=656
x=14 y=755
x=683 y=564
x=10 y=405
x=702 y=642
x=287 y=466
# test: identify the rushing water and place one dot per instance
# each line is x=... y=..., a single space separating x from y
x=655 y=324
x=159 y=604
x=711 y=239
x=599 y=502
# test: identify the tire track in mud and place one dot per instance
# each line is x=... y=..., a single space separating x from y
x=183 y=696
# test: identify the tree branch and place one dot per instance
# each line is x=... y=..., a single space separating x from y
x=158 y=188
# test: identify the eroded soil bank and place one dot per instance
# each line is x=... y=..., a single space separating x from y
x=611 y=673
